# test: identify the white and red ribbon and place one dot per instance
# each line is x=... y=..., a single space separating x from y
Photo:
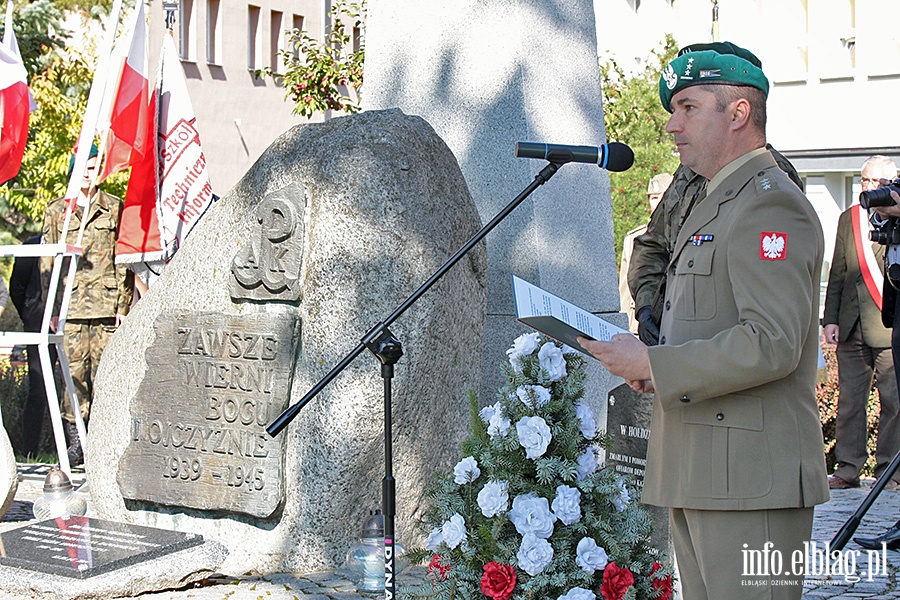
x=868 y=264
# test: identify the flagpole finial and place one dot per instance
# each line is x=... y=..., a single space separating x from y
x=171 y=7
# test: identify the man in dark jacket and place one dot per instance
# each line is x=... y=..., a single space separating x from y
x=25 y=292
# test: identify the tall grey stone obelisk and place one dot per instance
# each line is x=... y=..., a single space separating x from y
x=486 y=74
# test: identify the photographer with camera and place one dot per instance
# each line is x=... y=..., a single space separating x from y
x=885 y=203
x=852 y=322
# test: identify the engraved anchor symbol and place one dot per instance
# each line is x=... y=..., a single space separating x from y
x=263 y=261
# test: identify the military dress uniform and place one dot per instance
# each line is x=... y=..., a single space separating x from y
x=652 y=249
x=735 y=448
x=735 y=425
x=101 y=290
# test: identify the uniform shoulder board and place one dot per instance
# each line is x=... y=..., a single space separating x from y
x=766 y=182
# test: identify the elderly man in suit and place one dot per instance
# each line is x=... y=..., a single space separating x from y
x=853 y=322
x=735 y=446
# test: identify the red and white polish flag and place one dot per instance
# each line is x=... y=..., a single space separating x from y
x=169 y=190
x=16 y=102
x=127 y=141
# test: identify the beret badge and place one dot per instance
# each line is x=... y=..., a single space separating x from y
x=670 y=77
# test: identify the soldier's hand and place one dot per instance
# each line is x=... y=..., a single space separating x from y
x=831 y=333
x=648 y=330
x=623 y=356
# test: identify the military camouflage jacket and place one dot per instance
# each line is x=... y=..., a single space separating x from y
x=102 y=288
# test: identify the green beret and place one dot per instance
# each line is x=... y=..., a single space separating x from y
x=94 y=152
x=723 y=48
x=705 y=67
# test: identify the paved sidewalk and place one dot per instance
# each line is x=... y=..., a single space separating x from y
x=331 y=586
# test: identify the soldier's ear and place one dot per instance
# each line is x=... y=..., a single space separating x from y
x=740 y=113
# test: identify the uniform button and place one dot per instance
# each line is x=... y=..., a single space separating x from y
x=668 y=305
x=720 y=417
x=662 y=340
x=685 y=399
x=691 y=263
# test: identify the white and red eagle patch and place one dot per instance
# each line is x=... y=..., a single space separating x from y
x=773 y=245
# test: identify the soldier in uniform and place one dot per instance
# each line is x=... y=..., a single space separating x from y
x=655 y=190
x=735 y=449
x=652 y=250
x=101 y=294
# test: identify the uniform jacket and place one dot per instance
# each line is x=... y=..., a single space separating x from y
x=102 y=288
x=653 y=249
x=735 y=424
x=626 y=302
x=847 y=299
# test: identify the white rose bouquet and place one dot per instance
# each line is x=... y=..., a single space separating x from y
x=527 y=512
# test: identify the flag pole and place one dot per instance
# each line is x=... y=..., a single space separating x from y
x=91 y=113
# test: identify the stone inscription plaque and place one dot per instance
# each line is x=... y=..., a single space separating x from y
x=628 y=427
x=213 y=384
x=82 y=547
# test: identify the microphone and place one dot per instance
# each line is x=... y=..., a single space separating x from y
x=614 y=156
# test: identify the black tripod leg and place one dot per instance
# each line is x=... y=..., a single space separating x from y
x=844 y=534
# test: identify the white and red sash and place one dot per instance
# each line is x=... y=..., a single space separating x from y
x=868 y=264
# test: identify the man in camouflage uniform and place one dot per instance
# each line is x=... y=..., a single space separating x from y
x=652 y=250
x=101 y=293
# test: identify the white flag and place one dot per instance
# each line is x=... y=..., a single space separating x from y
x=185 y=191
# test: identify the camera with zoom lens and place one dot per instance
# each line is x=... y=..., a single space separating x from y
x=880 y=196
x=887 y=233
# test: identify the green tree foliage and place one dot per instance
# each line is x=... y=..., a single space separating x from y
x=325 y=75
x=633 y=115
x=39 y=31
x=59 y=81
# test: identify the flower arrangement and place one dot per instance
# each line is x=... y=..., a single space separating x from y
x=527 y=513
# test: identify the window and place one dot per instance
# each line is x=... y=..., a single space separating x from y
x=254 y=38
x=878 y=39
x=298 y=26
x=786 y=59
x=276 y=41
x=852 y=188
x=832 y=35
x=186 y=27
x=213 y=33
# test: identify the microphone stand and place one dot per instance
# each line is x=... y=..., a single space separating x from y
x=847 y=530
x=388 y=350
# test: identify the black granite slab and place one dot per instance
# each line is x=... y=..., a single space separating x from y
x=82 y=547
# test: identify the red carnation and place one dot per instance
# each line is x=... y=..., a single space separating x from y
x=438 y=567
x=616 y=581
x=661 y=585
x=498 y=581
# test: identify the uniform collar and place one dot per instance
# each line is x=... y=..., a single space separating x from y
x=745 y=168
x=730 y=168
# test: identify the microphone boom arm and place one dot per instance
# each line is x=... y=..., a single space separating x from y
x=291 y=412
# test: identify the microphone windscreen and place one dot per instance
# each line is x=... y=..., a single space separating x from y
x=621 y=157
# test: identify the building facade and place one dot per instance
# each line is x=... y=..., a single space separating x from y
x=221 y=43
x=833 y=65
x=834 y=68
